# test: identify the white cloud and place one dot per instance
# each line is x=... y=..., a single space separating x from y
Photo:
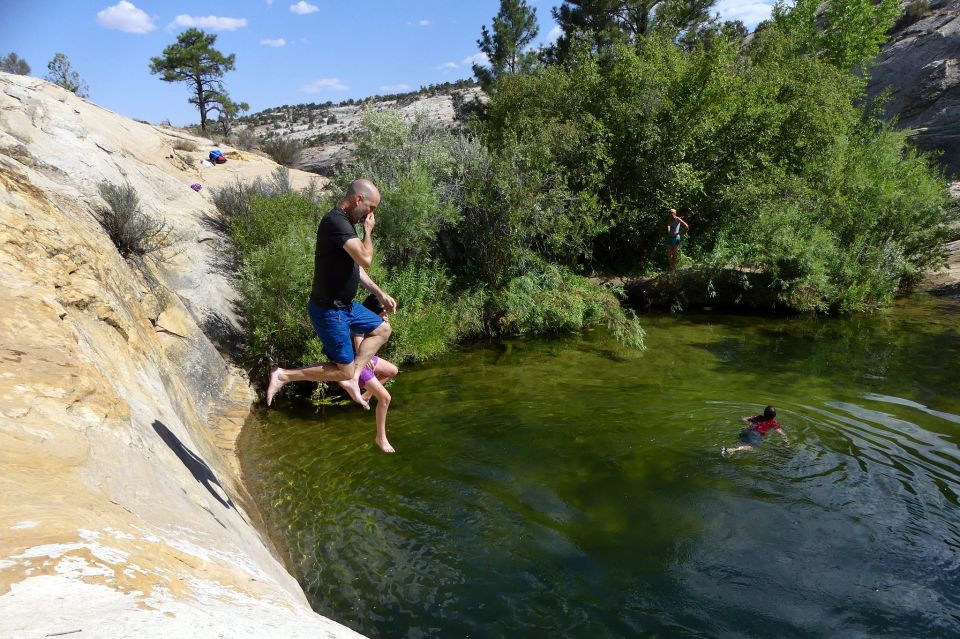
x=273 y=42
x=424 y=23
x=325 y=84
x=750 y=12
x=303 y=7
x=269 y=1
x=477 y=58
x=447 y=66
x=125 y=16
x=395 y=88
x=216 y=23
x=554 y=33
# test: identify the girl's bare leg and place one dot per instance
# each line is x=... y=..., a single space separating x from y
x=383 y=405
x=672 y=254
x=385 y=371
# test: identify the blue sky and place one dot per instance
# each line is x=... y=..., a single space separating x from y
x=288 y=51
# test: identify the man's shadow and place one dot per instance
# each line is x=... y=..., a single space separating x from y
x=201 y=472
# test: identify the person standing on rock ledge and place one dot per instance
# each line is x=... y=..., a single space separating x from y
x=674 y=222
x=338 y=268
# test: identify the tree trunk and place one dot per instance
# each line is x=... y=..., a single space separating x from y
x=201 y=104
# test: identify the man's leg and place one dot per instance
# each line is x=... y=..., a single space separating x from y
x=324 y=372
x=332 y=326
x=371 y=343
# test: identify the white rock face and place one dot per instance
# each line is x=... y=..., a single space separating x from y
x=122 y=513
x=920 y=67
x=308 y=125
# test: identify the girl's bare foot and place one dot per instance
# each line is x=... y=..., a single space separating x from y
x=275 y=383
x=384 y=445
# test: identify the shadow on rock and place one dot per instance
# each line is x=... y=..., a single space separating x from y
x=197 y=467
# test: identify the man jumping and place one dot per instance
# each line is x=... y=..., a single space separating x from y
x=338 y=267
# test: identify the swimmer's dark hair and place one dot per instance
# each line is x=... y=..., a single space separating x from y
x=374 y=304
x=769 y=412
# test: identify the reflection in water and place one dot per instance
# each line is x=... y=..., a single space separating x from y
x=549 y=489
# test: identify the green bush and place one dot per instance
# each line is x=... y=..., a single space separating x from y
x=245 y=139
x=553 y=300
x=184 y=145
x=233 y=200
x=134 y=234
x=284 y=151
x=269 y=217
x=274 y=285
x=431 y=317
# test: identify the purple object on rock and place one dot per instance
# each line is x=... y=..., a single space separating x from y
x=196 y=187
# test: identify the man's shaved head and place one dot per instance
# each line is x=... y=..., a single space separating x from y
x=364 y=188
x=361 y=199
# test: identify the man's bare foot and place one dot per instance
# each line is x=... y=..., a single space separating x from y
x=275 y=383
x=367 y=394
x=384 y=445
x=353 y=390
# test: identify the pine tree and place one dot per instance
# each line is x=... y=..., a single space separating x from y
x=12 y=63
x=193 y=61
x=609 y=21
x=514 y=28
x=226 y=109
x=62 y=74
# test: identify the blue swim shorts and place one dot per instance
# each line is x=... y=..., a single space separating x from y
x=750 y=437
x=673 y=240
x=334 y=327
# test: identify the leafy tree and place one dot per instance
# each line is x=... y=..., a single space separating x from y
x=769 y=152
x=514 y=28
x=12 y=63
x=62 y=74
x=227 y=110
x=606 y=22
x=193 y=61
x=847 y=33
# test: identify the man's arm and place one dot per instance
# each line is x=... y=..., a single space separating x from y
x=389 y=304
x=362 y=250
x=783 y=435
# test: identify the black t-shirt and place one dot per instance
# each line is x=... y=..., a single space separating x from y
x=335 y=274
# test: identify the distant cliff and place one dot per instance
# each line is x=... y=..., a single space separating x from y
x=326 y=130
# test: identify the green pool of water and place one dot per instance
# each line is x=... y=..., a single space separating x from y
x=566 y=488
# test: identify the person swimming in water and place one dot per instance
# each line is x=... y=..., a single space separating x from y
x=753 y=434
